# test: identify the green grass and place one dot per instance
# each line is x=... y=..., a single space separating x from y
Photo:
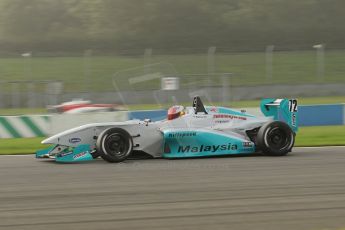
x=20 y=111
x=20 y=145
x=321 y=136
x=247 y=68
x=321 y=100
x=307 y=136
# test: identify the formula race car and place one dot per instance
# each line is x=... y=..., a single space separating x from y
x=196 y=131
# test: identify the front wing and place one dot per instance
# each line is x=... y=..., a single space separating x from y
x=65 y=154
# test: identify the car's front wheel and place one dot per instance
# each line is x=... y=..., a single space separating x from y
x=275 y=138
x=114 y=144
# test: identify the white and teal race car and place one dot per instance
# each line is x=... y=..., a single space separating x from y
x=196 y=131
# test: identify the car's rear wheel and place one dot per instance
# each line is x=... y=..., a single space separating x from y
x=114 y=144
x=275 y=139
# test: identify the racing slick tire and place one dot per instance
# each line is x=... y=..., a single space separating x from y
x=114 y=145
x=275 y=139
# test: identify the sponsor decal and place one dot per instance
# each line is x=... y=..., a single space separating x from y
x=222 y=121
x=247 y=144
x=182 y=135
x=206 y=148
x=65 y=154
x=293 y=119
x=74 y=140
x=79 y=155
x=214 y=109
x=200 y=116
x=229 y=116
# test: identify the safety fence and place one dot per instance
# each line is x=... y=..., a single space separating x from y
x=45 y=125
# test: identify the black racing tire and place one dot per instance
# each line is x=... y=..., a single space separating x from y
x=114 y=145
x=275 y=139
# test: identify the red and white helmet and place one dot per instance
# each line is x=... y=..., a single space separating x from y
x=175 y=112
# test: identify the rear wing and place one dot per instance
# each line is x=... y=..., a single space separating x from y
x=285 y=110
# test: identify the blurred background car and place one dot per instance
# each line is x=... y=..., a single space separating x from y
x=83 y=106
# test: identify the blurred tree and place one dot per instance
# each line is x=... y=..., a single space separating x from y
x=38 y=19
x=67 y=25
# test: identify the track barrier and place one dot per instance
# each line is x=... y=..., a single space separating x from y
x=24 y=126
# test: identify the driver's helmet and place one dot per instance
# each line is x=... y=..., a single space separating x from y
x=175 y=112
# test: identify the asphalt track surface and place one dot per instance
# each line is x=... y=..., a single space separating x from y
x=304 y=190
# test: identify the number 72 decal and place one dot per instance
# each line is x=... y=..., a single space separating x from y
x=293 y=105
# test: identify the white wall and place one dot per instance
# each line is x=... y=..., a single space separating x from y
x=62 y=122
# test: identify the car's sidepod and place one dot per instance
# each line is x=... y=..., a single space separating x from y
x=203 y=142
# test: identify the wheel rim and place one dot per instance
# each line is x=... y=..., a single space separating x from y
x=116 y=145
x=278 y=139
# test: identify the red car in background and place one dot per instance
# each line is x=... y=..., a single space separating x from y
x=84 y=106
